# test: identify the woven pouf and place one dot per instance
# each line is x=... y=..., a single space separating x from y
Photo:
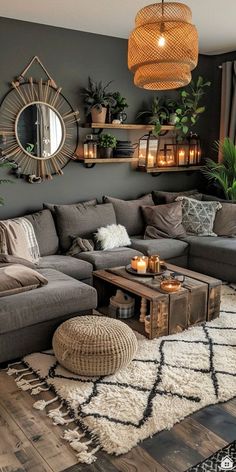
x=94 y=345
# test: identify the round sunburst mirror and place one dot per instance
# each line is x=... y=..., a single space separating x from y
x=38 y=127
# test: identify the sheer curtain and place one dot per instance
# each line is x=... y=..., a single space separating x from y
x=228 y=102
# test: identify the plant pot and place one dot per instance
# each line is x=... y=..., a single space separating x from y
x=107 y=153
x=99 y=116
x=172 y=119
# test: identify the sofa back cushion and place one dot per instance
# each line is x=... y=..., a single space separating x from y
x=164 y=221
x=45 y=232
x=129 y=214
x=161 y=196
x=52 y=206
x=81 y=220
x=225 y=220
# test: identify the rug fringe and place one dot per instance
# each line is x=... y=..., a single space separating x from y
x=84 y=455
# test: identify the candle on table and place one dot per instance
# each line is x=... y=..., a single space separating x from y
x=141 y=266
x=134 y=261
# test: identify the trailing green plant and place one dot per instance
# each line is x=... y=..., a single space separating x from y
x=96 y=95
x=188 y=106
x=158 y=114
x=4 y=165
x=223 y=173
x=107 y=141
x=121 y=103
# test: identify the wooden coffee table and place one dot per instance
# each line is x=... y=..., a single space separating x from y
x=197 y=301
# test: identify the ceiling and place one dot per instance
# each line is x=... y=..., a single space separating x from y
x=215 y=19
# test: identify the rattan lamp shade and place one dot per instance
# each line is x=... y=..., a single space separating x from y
x=168 y=66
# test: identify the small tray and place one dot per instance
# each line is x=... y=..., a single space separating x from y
x=129 y=269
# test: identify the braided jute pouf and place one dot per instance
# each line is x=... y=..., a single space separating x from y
x=94 y=345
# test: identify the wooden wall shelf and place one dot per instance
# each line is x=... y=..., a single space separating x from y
x=126 y=126
x=153 y=170
x=105 y=160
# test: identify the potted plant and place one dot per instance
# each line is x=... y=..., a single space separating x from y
x=172 y=106
x=97 y=99
x=188 y=106
x=107 y=143
x=223 y=173
x=117 y=111
x=157 y=114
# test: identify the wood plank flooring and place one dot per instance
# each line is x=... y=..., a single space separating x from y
x=30 y=443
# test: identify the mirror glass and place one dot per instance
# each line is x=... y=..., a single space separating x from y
x=39 y=130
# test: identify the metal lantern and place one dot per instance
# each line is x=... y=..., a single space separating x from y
x=90 y=147
x=148 y=151
x=167 y=156
x=194 y=149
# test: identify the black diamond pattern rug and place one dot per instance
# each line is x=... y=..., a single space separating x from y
x=169 y=379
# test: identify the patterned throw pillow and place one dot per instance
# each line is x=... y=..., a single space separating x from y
x=198 y=216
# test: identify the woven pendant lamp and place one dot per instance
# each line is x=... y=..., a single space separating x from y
x=163 y=48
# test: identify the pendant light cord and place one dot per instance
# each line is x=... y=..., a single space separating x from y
x=162 y=8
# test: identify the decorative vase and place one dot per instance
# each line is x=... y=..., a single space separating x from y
x=99 y=116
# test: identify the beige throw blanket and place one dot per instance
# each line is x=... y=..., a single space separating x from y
x=17 y=238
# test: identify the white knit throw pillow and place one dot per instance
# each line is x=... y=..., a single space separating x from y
x=112 y=236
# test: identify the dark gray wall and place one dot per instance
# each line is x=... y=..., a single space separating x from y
x=70 y=57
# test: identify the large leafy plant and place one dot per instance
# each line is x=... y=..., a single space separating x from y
x=189 y=107
x=223 y=173
x=121 y=103
x=96 y=95
x=4 y=181
x=157 y=114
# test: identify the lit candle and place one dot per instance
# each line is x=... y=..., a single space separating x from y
x=199 y=157
x=191 y=156
x=90 y=154
x=141 y=266
x=181 y=157
x=134 y=261
x=150 y=160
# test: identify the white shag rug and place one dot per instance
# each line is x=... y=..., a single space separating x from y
x=169 y=379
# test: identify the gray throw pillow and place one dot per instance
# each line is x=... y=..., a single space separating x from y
x=164 y=221
x=161 y=196
x=82 y=220
x=199 y=217
x=128 y=213
x=45 y=232
x=225 y=221
x=17 y=278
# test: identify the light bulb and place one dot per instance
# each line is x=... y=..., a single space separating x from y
x=161 y=41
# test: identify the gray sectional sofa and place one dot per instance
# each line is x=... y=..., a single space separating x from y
x=28 y=320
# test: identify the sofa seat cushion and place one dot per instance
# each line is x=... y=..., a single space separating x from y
x=79 y=270
x=111 y=258
x=166 y=248
x=218 y=249
x=62 y=295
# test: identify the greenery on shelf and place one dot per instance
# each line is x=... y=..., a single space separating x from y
x=96 y=95
x=4 y=165
x=107 y=141
x=223 y=173
x=188 y=106
x=121 y=103
x=158 y=113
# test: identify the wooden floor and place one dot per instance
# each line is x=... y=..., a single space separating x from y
x=29 y=442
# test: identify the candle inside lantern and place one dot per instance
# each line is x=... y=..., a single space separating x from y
x=199 y=157
x=192 y=157
x=181 y=156
x=141 y=266
x=150 y=160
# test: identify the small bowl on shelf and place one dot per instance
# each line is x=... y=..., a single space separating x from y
x=170 y=285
